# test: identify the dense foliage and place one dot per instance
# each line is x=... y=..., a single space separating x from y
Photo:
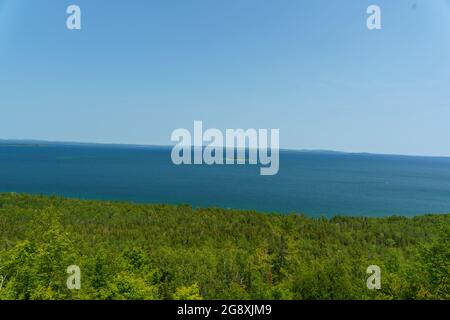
x=131 y=251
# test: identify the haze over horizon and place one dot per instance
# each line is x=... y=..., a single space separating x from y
x=28 y=141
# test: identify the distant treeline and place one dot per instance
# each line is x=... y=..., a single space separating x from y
x=131 y=251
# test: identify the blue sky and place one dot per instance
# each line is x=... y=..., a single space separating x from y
x=139 y=69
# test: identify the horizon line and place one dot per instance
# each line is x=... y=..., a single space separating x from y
x=117 y=144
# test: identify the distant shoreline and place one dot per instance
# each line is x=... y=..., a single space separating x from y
x=45 y=143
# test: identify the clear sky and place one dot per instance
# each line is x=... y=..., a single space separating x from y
x=139 y=69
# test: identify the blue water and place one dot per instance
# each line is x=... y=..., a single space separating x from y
x=317 y=184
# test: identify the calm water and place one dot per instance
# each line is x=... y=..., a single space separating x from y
x=312 y=183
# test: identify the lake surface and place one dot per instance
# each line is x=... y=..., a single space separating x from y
x=317 y=184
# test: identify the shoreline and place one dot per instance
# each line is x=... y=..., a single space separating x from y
x=215 y=208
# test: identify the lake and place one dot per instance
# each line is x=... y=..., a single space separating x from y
x=314 y=183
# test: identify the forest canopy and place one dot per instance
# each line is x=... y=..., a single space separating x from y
x=135 y=251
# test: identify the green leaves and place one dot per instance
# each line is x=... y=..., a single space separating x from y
x=188 y=293
x=128 y=251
